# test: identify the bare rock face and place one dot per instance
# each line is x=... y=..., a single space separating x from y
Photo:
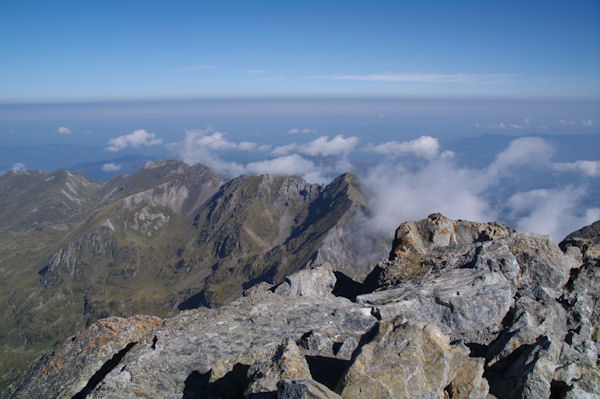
x=286 y=363
x=314 y=282
x=304 y=389
x=461 y=310
x=515 y=299
x=430 y=236
x=404 y=360
x=209 y=352
x=84 y=359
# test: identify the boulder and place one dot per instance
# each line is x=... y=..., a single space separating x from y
x=286 y=363
x=304 y=389
x=314 y=282
x=407 y=360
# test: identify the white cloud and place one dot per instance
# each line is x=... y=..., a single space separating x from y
x=214 y=141
x=322 y=146
x=567 y=123
x=522 y=151
x=256 y=71
x=135 y=139
x=424 y=146
x=197 y=148
x=217 y=141
x=203 y=146
x=421 y=77
x=111 y=167
x=521 y=125
x=514 y=125
x=587 y=168
x=288 y=165
x=587 y=123
x=500 y=125
x=64 y=130
x=284 y=149
x=303 y=131
x=401 y=192
x=555 y=212
x=447 y=154
x=17 y=166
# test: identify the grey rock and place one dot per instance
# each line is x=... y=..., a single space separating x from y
x=515 y=298
x=314 y=282
x=404 y=360
x=347 y=348
x=469 y=383
x=70 y=367
x=215 y=341
x=316 y=342
x=286 y=363
x=304 y=389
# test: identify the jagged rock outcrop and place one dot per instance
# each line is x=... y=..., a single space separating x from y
x=409 y=360
x=461 y=310
x=286 y=363
x=73 y=369
x=304 y=389
x=505 y=294
x=313 y=282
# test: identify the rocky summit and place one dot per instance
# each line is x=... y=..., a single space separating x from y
x=460 y=310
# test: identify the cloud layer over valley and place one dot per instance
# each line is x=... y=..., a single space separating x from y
x=520 y=184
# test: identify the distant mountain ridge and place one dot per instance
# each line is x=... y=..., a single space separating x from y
x=169 y=237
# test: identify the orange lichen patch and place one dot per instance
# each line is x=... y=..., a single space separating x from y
x=141 y=325
x=404 y=244
x=53 y=367
x=134 y=327
x=116 y=327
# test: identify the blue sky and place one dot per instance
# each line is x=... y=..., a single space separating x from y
x=84 y=50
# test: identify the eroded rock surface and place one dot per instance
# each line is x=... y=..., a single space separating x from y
x=286 y=363
x=461 y=310
x=74 y=368
x=404 y=360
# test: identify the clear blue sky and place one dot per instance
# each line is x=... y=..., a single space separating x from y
x=105 y=50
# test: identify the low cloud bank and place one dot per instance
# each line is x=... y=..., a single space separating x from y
x=64 y=130
x=316 y=161
x=588 y=168
x=111 y=167
x=415 y=178
x=18 y=166
x=137 y=138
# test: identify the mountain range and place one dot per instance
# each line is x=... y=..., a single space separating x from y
x=168 y=238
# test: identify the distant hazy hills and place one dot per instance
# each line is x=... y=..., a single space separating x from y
x=167 y=238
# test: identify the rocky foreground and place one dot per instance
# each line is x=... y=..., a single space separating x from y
x=461 y=310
